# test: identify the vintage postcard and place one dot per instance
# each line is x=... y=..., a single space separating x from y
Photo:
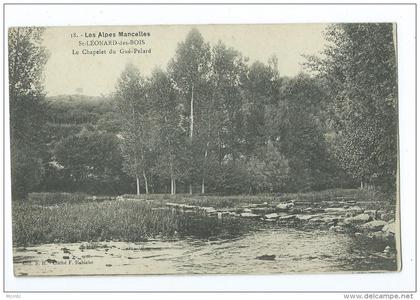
x=208 y=149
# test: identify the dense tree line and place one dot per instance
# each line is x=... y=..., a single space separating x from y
x=359 y=73
x=213 y=122
x=26 y=97
x=83 y=146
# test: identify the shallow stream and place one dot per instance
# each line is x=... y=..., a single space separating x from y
x=268 y=251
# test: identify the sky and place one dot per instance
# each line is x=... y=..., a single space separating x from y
x=70 y=73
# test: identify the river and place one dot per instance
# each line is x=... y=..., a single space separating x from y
x=287 y=250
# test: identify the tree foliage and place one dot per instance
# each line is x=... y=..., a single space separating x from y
x=138 y=130
x=213 y=121
x=171 y=142
x=359 y=71
x=91 y=162
x=27 y=58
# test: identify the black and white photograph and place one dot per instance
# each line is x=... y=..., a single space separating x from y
x=204 y=149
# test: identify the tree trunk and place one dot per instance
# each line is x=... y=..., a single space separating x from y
x=192 y=113
x=191 y=131
x=138 y=185
x=145 y=183
x=173 y=186
x=173 y=180
x=203 y=187
x=137 y=176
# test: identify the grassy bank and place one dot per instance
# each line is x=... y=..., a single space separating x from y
x=368 y=199
x=109 y=220
x=146 y=217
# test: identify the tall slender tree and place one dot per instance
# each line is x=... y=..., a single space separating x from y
x=138 y=132
x=190 y=70
x=222 y=117
x=171 y=147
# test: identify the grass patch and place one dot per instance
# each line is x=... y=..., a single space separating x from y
x=159 y=200
x=110 y=220
x=368 y=199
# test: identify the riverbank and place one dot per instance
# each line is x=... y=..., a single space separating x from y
x=137 y=218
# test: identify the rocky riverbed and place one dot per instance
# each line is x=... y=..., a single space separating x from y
x=343 y=216
x=285 y=237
